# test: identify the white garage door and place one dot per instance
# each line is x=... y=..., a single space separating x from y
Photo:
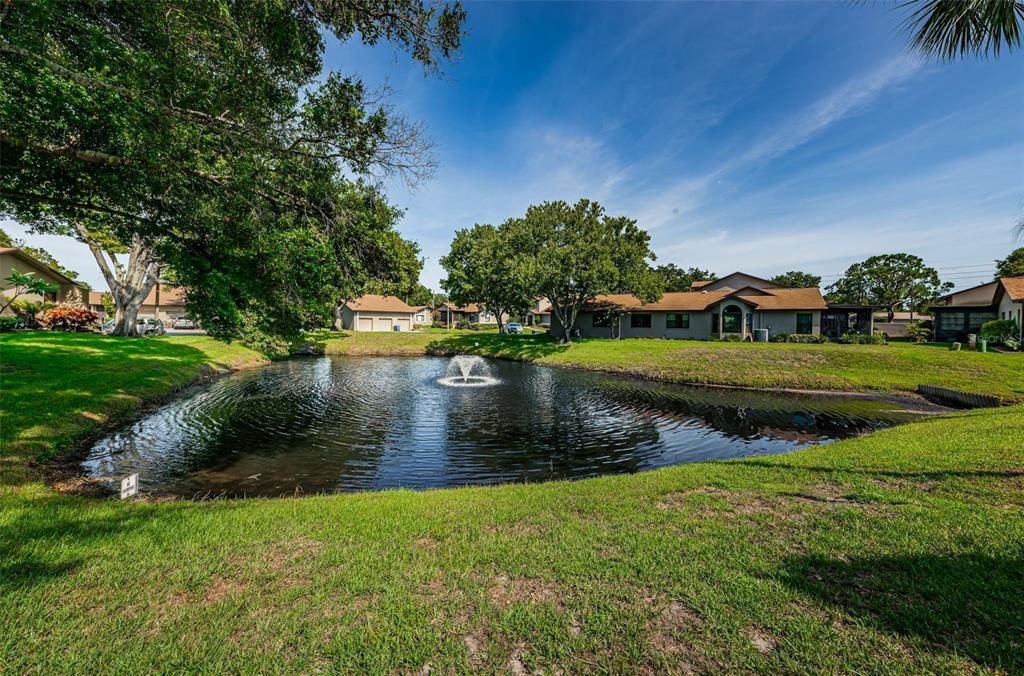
x=404 y=324
x=382 y=323
x=365 y=324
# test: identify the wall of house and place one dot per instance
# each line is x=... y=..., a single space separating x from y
x=9 y=263
x=349 y=319
x=780 y=321
x=784 y=321
x=1009 y=310
x=982 y=295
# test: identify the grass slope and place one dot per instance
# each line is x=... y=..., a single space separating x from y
x=901 y=551
x=56 y=387
x=893 y=367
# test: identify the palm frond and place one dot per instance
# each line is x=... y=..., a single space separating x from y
x=949 y=29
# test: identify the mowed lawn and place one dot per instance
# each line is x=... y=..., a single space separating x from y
x=881 y=368
x=900 y=551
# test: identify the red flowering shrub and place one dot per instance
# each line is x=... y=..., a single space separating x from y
x=65 y=318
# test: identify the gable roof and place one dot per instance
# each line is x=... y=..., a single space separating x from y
x=35 y=262
x=723 y=283
x=698 y=301
x=469 y=307
x=372 y=302
x=1014 y=288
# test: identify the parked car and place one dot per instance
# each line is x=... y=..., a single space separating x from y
x=513 y=327
x=147 y=326
x=183 y=323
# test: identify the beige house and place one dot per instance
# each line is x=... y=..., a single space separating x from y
x=736 y=305
x=424 y=315
x=15 y=259
x=962 y=313
x=376 y=313
x=165 y=302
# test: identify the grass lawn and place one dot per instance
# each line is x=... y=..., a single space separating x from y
x=901 y=551
x=887 y=368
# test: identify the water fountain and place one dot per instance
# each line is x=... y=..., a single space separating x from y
x=466 y=370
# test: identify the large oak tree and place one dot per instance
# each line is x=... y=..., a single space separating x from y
x=205 y=136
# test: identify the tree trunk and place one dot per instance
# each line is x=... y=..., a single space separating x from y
x=129 y=285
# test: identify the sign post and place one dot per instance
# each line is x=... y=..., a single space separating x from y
x=129 y=486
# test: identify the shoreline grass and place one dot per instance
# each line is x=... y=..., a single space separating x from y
x=893 y=368
x=897 y=551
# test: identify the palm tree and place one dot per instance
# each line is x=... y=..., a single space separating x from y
x=948 y=29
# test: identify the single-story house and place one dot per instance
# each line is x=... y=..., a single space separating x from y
x=540 y=314
x=376 y=313
x=449 y=314
x=963 y=312
x=735 y=305
x=13 y=258
x=165 y=302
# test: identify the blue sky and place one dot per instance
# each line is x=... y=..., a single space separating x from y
x=762 y=137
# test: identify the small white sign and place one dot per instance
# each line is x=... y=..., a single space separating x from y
x=129 y=486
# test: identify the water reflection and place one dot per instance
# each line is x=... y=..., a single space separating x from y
x=342 y=424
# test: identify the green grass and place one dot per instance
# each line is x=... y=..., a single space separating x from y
x=56 y=387
x=901 y=551
x=884 y=368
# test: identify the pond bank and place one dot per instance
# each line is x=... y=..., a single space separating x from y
x=898 y=550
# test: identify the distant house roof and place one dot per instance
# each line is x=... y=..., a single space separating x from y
x=170 y=294
x=470 y=308
x=700 y=283
x=697 y=301
x=1014 y=287
x=36 y=263
x=372 y=302
x=905 y=316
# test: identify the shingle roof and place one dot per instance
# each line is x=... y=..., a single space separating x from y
x=1014 y=287
x=696 y=301
x=372 y=302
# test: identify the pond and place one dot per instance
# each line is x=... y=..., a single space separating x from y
x=354 y=423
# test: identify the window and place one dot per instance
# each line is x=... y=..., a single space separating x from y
x=951 y=321
x=732 y=320
x=640 y=321
x=677 y=320
x=605 y=319
x=714 y=322
x=804 y=322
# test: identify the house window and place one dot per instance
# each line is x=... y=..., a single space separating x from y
x=714 y=322
x=732 y=320
x=804 y=322
x=640 y=321
x=677 y=320
x=951 y=321
x=604 y=319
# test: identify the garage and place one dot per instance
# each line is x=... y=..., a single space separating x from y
x=377 y=314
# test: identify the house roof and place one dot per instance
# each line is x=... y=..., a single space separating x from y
x=36 y=263
x=1014 y=287
x=697 y=301
x=699 y=283
x=469 y=307
x=372 y=302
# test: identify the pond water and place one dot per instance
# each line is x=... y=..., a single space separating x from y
x=353 y=423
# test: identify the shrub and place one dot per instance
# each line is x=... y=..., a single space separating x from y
x=920 y=332
x=8 y=323
x=463 y=324
x=66 y=318
x=801 y=338
x=863 y=339
x=29 y=311
x=732 y=338
x=998 y=331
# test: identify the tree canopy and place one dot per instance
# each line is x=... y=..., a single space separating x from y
x=485 y=266
x=1012 y=265
x=674 y=278
x=948 y=29
x=578 y=252
x=894 y=281
x=207 y=137
x=794 y=279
